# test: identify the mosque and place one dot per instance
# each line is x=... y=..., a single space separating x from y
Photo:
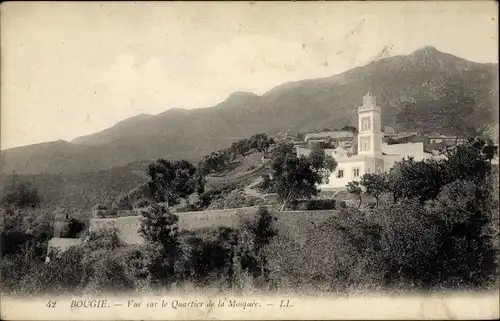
x=372 y=155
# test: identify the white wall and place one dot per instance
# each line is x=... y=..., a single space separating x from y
x=347 y=167
x=415 y=150
x=303 y=151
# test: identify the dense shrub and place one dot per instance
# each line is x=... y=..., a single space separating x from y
x=207 y=255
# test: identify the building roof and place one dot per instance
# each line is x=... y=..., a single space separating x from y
x=415 y=150
x=434 y=146
x=404 y=135
x=439 y=136
x=334 y=135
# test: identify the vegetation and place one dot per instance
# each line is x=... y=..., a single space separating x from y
x=355 y=189
x=159 y=230
x=80 y=192
x=351 y=129
x=436 y=231
x=375 y=185
x=170 y=181
x=297 y=177
x=218 y=160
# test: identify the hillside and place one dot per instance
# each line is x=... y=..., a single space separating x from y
x=80 y=192
x=304 y=105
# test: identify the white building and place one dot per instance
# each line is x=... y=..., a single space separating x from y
x=372 y=156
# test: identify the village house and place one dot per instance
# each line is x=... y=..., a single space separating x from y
x=337 y=138
x=443 y=139
x=404 y=138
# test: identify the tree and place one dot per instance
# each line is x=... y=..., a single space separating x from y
x=410 y=179
x=407 y=244
x=21 y=195
x=351 y=129
x=354 y=188
x=199 y=182
x=462 y=215
x=265 y=184
x=170 y=181
x=489 y=150
x=466 y=162
x=159 y=228
x=424 y=179
x=323 y=164
x=294 y=177
x=375 y=185
x=342 y=251
x=26 y=227
x=104 y=263
x=262 y=230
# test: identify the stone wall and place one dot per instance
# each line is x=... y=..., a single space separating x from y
x=298 y=223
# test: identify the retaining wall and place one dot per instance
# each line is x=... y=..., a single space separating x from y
x=299 y=223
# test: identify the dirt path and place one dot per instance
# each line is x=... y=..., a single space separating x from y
x=250 y=191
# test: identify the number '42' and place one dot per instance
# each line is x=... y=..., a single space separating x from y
x=51 y=304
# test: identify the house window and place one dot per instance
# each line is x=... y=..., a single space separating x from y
x=365 y=123
x=340 y=173
x=356 y=172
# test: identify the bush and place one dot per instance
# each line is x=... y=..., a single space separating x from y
x=76 y=228
x=189 y=207
x=462 y=215
x=265 y=184
x=159 y=228
x=256 y=235
x=207 y=256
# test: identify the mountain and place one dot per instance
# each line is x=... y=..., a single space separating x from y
x=304 y=105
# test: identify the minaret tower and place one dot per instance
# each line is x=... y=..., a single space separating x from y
x=370 y=132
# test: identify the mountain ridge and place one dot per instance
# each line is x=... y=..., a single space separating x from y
x=307 y=104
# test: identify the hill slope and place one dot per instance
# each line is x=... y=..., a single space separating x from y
x=309 y=104
x=80 y=192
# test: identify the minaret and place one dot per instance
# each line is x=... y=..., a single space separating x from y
x=370 y=133
x=369 y=128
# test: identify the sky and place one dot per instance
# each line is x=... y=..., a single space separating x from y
x=71 y=69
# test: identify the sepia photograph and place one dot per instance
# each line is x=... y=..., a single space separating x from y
x=249 y=160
